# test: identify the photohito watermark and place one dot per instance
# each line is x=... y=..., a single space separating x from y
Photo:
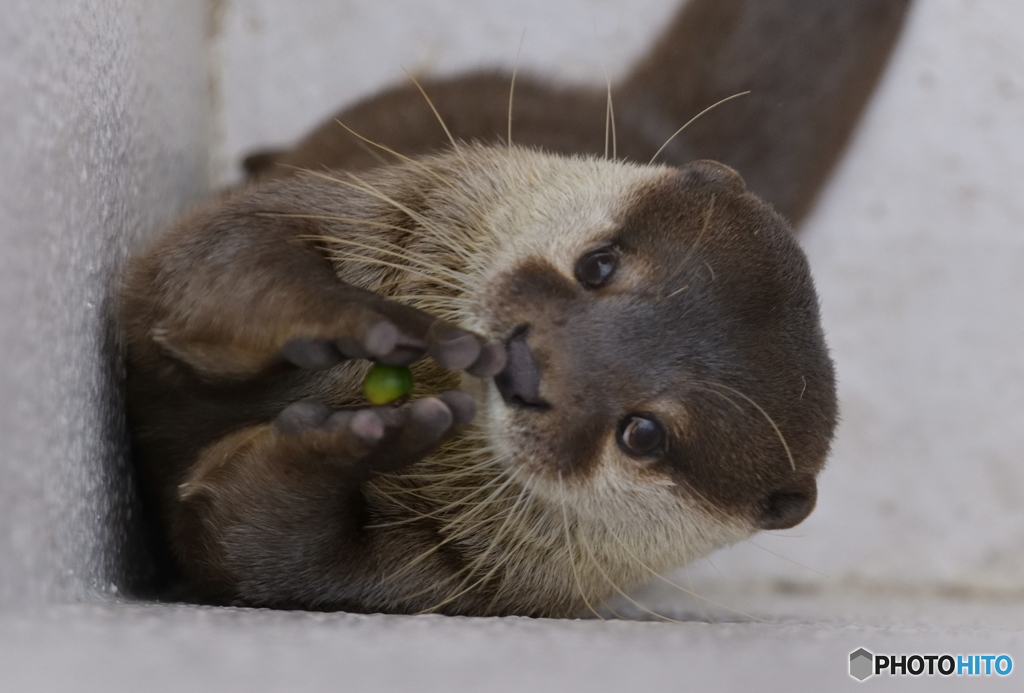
x=864 y=665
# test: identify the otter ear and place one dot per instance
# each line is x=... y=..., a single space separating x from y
x=711 y=174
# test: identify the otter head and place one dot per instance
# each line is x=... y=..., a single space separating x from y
x=667 y=373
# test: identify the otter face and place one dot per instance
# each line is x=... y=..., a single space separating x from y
x=665 y=351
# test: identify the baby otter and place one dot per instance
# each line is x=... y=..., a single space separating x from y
x=626 y=366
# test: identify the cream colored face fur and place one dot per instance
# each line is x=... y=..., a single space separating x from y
x=557 y=209
x=623 y=518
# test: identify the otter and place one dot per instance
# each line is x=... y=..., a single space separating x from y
x=620 y=365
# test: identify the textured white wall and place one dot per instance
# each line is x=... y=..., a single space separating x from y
x=917 y=245
x=105 y=114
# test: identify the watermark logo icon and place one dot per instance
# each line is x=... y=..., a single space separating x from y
x=864 y=664
x=861 y=664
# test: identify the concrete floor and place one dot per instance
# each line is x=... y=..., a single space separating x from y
x=803 y=644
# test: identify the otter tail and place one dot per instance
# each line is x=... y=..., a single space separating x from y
x=810 y=66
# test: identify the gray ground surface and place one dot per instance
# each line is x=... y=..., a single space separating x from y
x=158 y=648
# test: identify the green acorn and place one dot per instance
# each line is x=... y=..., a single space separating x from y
x=387 y=384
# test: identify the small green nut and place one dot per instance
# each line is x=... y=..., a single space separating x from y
x=387 y=384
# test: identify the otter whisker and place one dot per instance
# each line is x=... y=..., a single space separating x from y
x=694 y=118
x=715 y=568
x=443 y=469
x=609 y=118
x=375 y=154
x=607 y=114
x=605 y=605
x=471 y=568
x=446 y=473
x=510 y=513
x=786 y=558
x=659 y=576
x=504 y=514
x=696 y=243
x=691 y=489
x=747 y=604
x=368 y=189
x=384 y=263
x=686 y=559
x=569 y=548
x=452 y=274
x=445 y=239
x=430 y=302
x=486 y=467
x=515 y=551
x=456 y=244
x=408 y=159
x=387 y=249
x=425 y=490
x=451 y=303
x=723 y=396
x=454 y=535
x=615 y=587
x=421 y=515
x=615 y=136
x=512 y=87
x=456 y=527
x=769 y=419
x=465 y=500
x=438 y=116
x=458 y=249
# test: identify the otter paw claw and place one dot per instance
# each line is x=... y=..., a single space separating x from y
x=304 y=415
x=383 y=439
x=398 y=336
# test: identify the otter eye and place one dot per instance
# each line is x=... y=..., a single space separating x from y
x=641 y=435
x=596 y=268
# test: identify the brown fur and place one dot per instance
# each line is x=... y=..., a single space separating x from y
x=709 y=324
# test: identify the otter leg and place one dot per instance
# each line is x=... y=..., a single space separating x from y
x=233 y=293
x=273 y=514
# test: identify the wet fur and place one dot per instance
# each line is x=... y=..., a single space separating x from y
x=520 y=512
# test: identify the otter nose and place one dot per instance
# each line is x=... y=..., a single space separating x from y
x=519 y=382
x=788 y=506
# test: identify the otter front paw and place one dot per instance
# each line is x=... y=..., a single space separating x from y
x=379 y=439
x=315 y=329
x=397 y=335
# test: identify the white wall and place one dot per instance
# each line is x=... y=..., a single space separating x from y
x=917 y=245
x=104 y=135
